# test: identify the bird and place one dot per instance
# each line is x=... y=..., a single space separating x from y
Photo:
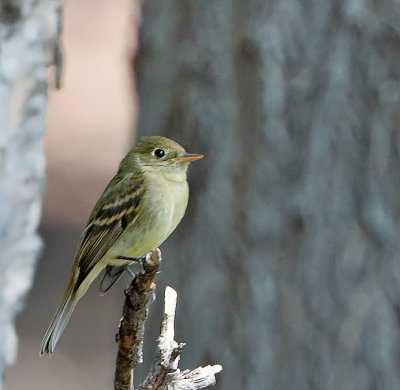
x=140 y=207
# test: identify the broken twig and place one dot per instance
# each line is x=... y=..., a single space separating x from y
x=164 y=373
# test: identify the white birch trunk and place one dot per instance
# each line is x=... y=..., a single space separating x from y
x=28 y=30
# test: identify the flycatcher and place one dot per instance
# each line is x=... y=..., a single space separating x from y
x=138 y=210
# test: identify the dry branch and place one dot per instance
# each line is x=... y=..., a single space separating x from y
x=131 y=329
x=164 y=373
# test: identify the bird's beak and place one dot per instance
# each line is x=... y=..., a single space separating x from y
x=188 y=157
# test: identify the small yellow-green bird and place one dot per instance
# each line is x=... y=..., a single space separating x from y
x=140 y=207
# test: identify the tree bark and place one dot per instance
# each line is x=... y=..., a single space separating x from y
x=164 y=372
x=28 y=32
x=138 y=299
x=294 y=218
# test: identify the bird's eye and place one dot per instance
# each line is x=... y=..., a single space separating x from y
x=159 y=153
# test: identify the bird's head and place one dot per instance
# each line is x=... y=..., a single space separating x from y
x=160 y=154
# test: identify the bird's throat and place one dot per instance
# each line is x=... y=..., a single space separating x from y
x=175 y=175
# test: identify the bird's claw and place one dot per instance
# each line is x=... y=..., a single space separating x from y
x=139 y=260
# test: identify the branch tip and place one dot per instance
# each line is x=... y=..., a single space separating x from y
x=164 y=373
x=170 y=301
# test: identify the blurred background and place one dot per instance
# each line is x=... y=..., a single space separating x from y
x=90 y=128
x=287 y=261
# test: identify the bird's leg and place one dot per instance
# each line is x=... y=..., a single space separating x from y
x=130 y=258
x=139 y=260
x=130 y=271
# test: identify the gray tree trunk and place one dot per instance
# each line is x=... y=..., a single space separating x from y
x=291 y=245
x=27 y=33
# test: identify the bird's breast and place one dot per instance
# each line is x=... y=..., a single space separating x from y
x=165 y=203
x=162 y=208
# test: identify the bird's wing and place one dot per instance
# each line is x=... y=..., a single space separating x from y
x=115 y=210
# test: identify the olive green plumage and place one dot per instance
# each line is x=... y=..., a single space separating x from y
x=138 y=210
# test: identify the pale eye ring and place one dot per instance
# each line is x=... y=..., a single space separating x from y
x=159 y=153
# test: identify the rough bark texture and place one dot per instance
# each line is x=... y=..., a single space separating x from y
x=291 y=244
x=130 y=335
x=27 y=32
x=164 y=372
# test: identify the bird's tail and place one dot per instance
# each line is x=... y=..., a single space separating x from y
x=59 y=322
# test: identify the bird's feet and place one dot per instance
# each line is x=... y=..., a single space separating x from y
x=138 y=260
